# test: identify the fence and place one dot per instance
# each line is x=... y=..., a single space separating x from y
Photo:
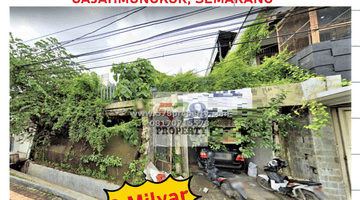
x=108 y=92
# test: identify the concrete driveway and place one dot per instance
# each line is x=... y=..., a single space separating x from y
x=253 y=190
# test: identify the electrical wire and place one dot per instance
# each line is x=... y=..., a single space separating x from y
x=104 y=58
x=250 y=24
x=196 y=50
x=105 y=25
x=210 y=22
x=165 y=33
x=205 y=35
x=242 y=24
x=149 y=22
x=145 y=25
x=149 y=58
x=62 y=44
x=79 y=26
x=112 y=48
x=191 y=38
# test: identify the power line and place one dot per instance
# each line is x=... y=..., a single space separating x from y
x=196 y=50
x=219 y=20
x=79 y=26
x=174 y=42
x=258 y=10
x=135 y=11
x=175 y=35
x=106 y=25
x=242 y=24
x=115 y=47
x=202 y=36
x=157 y=56
x=147 y=24
x=191 y=38
x=135 y=51
x=168 y=32
x=134 y=43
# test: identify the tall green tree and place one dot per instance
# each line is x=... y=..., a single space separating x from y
x=134 y=79
x=38 y=84
x=51 y=93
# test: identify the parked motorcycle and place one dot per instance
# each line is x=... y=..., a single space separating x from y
x=300 y=190
x=227 y=182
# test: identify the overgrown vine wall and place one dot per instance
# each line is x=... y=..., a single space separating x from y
x=50 y=92
x=238 y=70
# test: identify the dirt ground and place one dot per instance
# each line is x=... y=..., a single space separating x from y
x=252 y=190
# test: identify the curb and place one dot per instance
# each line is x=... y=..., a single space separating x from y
x=40 y=187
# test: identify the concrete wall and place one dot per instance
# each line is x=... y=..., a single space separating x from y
x=315 y=157
x=262 y=156
x=328 y=161
x=326 y=58
x=298 y=148
x=82 y=184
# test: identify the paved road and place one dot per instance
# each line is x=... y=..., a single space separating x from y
x=252 y=190
x=21 y=192
x=17 y=196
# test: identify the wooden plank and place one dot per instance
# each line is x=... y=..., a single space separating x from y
x=315 y=34
x=286 y=17
x=339 y=25
x=294 y=33
x=278 y=39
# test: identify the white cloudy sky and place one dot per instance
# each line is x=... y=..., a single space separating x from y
x=30 y=22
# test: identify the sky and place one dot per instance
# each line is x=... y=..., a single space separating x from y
x=28 y=23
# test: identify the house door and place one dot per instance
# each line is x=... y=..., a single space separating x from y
x=342 y=124
x=345 y=125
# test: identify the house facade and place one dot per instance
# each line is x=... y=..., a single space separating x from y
x=320 y=41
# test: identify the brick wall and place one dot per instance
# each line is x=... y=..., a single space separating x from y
x=315 y=158
x=301 y=153
x=328 y=162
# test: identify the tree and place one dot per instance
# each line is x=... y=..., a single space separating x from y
x=38 y=84
x=134 y=79
x=50 y=93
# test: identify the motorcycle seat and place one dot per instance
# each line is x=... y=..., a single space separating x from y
x=309 y=183
x=225 y=174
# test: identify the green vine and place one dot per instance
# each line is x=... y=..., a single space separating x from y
x=134 y=80
x=238 y=69
x=344 y=82
x=320 y=117
x=66 y=105
x=262 y=126
x=135 y=174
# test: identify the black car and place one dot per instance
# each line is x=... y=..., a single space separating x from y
x=230 y=159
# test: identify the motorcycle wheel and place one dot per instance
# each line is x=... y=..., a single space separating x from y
x=200 y=166
x=225 y=187
x=206 y=175
x=308 y=195
x=238 y=196
x=263 y=183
